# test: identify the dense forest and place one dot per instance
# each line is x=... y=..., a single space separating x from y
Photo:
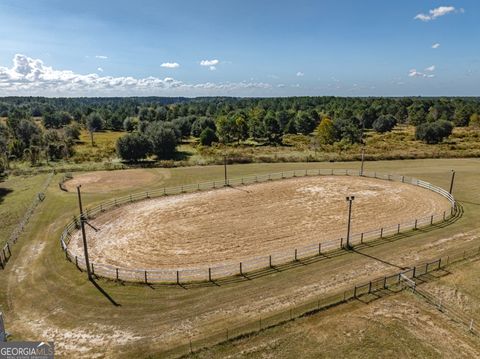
x=32 y=128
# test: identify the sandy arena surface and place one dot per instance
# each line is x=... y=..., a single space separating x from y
x=234 y=224
x=106 y=181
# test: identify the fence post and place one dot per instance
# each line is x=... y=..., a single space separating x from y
x=416 y=224
x=361 y=238
x=241 y=271
x=270 y=261
x=369 y=287
x=93 y=269
x=295 y=254
x=178 y=277
x=355 y=292
x=384 y=282
x=444 y=215
x=319 y=248
x=431 y=220
x=403 y=179
x=76 y=261
x=341 y=242
x=381 y=232
x=414 y=271
x=146 y=279
x=398 y=229
x=209 y=274
x=116 y=272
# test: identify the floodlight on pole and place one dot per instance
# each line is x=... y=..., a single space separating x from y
x=349 y=200
x=84 y=236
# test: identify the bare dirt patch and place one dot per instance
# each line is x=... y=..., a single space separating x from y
x=234 y=224
x=106 y=181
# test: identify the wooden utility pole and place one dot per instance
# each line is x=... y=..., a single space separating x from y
x=451 y=181
x=350 y=200
x=84 y=236
x=225 y=169
x=363 y=158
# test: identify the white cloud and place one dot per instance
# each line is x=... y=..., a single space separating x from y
x=437 y=12
x=300 y=74
x=212 y=68
x=209 y=62
x=435 y=45
x=30 y=76
x=99 y=69
x=415 y=73
x=170 y=65
x=102 y=57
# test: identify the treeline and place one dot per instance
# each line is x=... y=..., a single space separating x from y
x=49 y=126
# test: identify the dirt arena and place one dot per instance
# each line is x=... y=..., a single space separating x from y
x=106 y=181
x=234 y=224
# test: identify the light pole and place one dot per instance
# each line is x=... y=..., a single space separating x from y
x=451 y=181
x=349 y=200
x=84 y=236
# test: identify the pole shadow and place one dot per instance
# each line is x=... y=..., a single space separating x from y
x=105 y=294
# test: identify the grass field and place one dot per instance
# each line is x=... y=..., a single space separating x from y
x=397 y=144
x=45 y=297
x=16 y=195
x=402 y=326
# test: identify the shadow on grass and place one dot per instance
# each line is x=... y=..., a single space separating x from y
x=105 y=294
x=4 y=192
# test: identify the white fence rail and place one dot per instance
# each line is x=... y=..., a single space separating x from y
x=276 y=258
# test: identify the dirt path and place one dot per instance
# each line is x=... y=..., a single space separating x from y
x=235 y=224
x=107 y=181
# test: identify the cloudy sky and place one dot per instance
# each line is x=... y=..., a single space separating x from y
x=239 y=48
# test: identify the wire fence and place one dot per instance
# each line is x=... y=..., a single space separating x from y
x=275 y=258
x=6 y=252
x=389 y=283
x=61 y=184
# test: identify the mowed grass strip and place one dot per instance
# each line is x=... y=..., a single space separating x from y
x=45 y=297
x=16 y=195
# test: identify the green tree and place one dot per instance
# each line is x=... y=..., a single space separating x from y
x=384 y=123
x=130 y=124
x=461 y=117
x=475 y=120
x=208 y=136
x=305 y=123
x=133 y=147
x=163 y=138
x=325 y=132
x=433 y=132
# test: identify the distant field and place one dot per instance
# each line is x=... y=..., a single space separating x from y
x=398 y=144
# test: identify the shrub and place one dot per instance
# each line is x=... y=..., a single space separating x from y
x=163 y=138
x=133 y=147
x=208 y=136
x=384 y=123
x=433 y=132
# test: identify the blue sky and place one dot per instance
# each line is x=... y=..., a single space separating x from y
x=239 y=48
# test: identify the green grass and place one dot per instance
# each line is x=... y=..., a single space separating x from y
x=16 y=195
x=45 y=297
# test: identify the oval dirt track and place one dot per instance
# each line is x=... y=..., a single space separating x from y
x=233 y=224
